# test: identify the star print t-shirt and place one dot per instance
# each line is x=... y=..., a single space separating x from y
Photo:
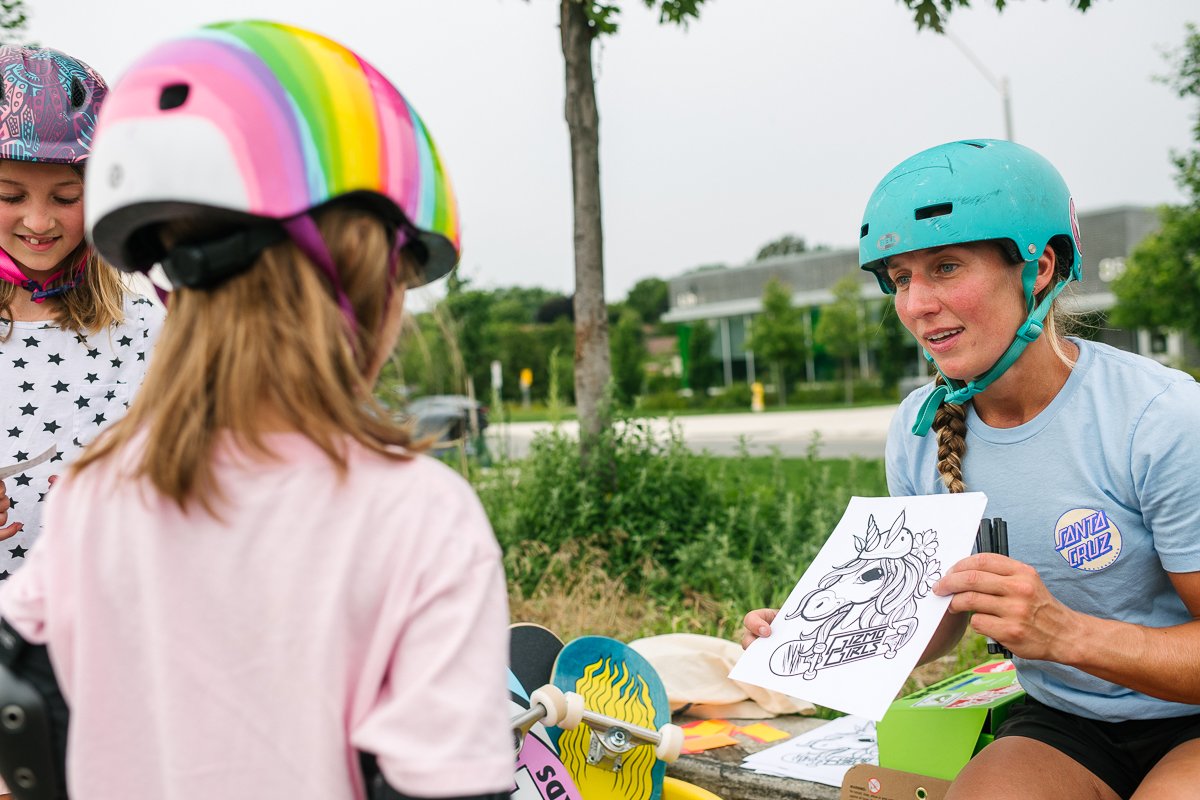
x=60 y=389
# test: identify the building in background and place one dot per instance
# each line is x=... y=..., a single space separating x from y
x=727 y=299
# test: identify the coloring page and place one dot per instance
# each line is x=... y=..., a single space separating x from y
x=823 y=754
x=862 y=613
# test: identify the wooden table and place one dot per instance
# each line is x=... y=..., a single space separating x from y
x=720 y=770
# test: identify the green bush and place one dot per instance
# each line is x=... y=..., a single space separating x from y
x=736 y=396
x=666 y=400
x=717 y=535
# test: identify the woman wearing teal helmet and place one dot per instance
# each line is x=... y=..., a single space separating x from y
x=1089 y=454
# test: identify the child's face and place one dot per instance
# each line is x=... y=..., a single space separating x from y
x=41 y=214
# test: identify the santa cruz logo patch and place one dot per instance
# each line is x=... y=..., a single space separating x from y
x=1087 y=539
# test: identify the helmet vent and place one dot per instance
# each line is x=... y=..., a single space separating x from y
x=78 y=94
x=863 y=231
x=173 y=96
x=938 y=210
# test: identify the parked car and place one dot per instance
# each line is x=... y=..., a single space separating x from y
x=452 y=418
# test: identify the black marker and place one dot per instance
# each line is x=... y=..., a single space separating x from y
x=999 y=529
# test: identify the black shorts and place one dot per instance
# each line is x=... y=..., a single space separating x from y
x=1119 y=753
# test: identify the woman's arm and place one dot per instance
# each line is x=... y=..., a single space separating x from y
x=1013 y=606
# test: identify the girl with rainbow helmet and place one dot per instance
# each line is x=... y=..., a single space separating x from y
x=263 y=545
x=1088 y=453
x=73 y=342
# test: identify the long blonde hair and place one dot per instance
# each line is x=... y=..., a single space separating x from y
x=950 y=421
x=96 y=303
x=270 y=338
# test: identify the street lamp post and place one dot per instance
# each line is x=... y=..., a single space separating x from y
x=1000 y=85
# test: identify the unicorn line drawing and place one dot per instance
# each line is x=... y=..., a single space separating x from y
x=865 y=607
x=841 y=748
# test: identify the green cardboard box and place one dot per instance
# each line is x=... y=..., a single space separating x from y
x=936 y=730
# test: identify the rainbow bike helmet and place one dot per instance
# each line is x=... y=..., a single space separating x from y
x=262 y=123
x=973 y=191
x=48 y=107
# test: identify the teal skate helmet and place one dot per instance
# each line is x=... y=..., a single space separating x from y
x=975 y=191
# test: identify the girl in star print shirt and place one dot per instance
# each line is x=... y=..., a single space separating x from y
x=74 y=343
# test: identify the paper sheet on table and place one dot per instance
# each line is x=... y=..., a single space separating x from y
x=861 y=615
x=822 y=755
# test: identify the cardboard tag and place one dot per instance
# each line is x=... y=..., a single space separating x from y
x=869 y=782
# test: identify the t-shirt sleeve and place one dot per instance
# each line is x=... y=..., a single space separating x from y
x=441 y=723
x=23 y=597
x=1165 y=463
x=897 y=454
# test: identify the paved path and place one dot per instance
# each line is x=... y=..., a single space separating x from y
x=843 y=432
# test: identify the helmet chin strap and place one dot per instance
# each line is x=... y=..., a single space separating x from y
x=957 y=392
x=9 y=271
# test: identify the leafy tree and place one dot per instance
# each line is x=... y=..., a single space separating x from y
x=1161 y=283
x=704 y=370
x=519 y=304
x=649 y=298
x=628 y=356
x=934 y=13
x=463 y=317
x=777 y=336
x=785 y=245
x=13 y=19
x=556 y=308
x=582 y=22
x=528 y=346
x=894 y=345
x=839 y=330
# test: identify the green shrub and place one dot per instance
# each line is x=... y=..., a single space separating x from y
x=666 y=400
x=712 y=537
x=736 y=396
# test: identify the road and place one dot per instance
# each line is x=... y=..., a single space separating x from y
x=843 y=432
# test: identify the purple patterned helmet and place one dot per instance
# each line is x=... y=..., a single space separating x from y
x=48 y=105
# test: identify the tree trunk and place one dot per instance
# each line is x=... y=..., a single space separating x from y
x=593 y=368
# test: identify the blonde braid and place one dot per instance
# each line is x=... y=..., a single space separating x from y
x=950 y=424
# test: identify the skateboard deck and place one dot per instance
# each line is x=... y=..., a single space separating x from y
x=540 y=775
x=531 y=653
x=617 y=682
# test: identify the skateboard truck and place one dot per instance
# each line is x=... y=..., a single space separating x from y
x=612 y=738
x=550 y=706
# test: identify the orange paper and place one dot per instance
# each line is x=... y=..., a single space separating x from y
x=762 y=732
x=708 y=727
x=698 y=744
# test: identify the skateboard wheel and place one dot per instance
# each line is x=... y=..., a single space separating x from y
x=670 y=743
x=551 y=698
x=574 y=714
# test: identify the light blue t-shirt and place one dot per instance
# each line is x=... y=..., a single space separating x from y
x=1099 y=493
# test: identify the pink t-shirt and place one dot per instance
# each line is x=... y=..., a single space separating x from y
x=250 y=658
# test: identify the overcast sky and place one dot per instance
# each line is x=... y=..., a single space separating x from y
x=764 y=117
